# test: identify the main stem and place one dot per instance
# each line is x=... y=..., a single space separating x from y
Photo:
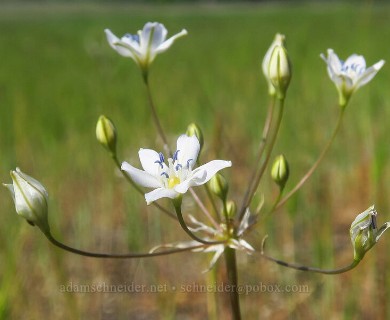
x=231 y=268
x=315 y=165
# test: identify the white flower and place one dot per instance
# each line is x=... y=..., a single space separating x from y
x=178 y=176
x=215 y=235
x=30 y=199
x=145 y=45
x=350 y=75
x=364 y=232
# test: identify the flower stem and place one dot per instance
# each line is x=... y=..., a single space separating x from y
x=315 y=165
x=166 y=211
x=155 y=116
x=306 y=268
x=231 y=268
x=177 y=205
x=116 y=256
x=273 y=134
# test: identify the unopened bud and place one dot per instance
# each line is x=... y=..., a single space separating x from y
x=219 y=186
x=280 y=171
x=106 y=134
x=231 y=209
x=278 y=41
x=280 y=70
x=30 y=199
x=193 y=129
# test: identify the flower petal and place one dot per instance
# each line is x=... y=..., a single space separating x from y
x=166 y=44
x=140 y=177
x=382 y=230
x=151 y=162
x=113 y=41
x=188 y=150
x=354 y=61
x=160 y=193
x=202 y=174
x=369 y=74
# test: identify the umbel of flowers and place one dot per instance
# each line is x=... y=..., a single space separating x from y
x=174 y=174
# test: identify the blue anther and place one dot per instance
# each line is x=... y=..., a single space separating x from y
x=178 y=166
x=165 y=174
x=161 y=160
x=188 y=163
x=175 y=155
x=134 y=37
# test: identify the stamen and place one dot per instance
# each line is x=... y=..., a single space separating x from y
x=161 y=161
x=175 y=155
x=188 y=163
x=373 y=219
x=178 y=166
x=164 y=174
x=134 y=37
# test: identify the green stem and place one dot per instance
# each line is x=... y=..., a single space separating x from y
x=116 y=256
x=264 y=164
x=315 y=165
x=261 y=148
x=155 y=116
x=231 y=268
x=177 y=205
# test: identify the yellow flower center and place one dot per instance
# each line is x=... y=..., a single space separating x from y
x=173 y=181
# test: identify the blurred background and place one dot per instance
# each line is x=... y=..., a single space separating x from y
x=58 y=74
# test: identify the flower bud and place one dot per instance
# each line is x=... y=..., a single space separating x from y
x=278 y=41
x=280 y=70
x=193 y=129
x=231 y=209
x=364 y=232
x=106 y=134
x=219 y=186
x=280 y=171
x=30 y=199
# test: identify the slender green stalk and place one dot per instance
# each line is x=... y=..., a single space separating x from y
x=264 y=164
x=261 y=148
x=155 y=116
x=231 y=268
x=177 y=205
x=117 y=256
x=166 y=211
x=315 y=165
x=204 y=209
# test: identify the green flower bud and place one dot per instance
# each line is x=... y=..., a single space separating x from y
x=278 y=41
x=30 y=199
x=280 y=70
x=364 y=232
x=193 y=129
x=280 y=171
x=106 y=134
x=231 y=209
x=219 y=186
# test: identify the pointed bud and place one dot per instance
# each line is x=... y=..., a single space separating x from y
x=364 y=232
x=106 y=134
x=278 y=41
x=219 y=186
x=280 y=171
x=30 y=199
x=193 y=129
x=231 y=209
x=280 y=70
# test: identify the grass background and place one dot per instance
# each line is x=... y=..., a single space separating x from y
x=57 y=75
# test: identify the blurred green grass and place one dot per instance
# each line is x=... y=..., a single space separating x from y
x=58 y=74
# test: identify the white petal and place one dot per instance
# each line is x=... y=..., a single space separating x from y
x=355 y=60
x=140 y=177
x=113 y=41
x=382 y=230
x=369 y=74
x=219 y=249
x=150 y=162
x=201 y=226
x=188 y=148
x=35 y=183
x=334 y=63
x=151 y=36
x=166 y=44
x=160 y=193
x=244 y=223
x=205 y=172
